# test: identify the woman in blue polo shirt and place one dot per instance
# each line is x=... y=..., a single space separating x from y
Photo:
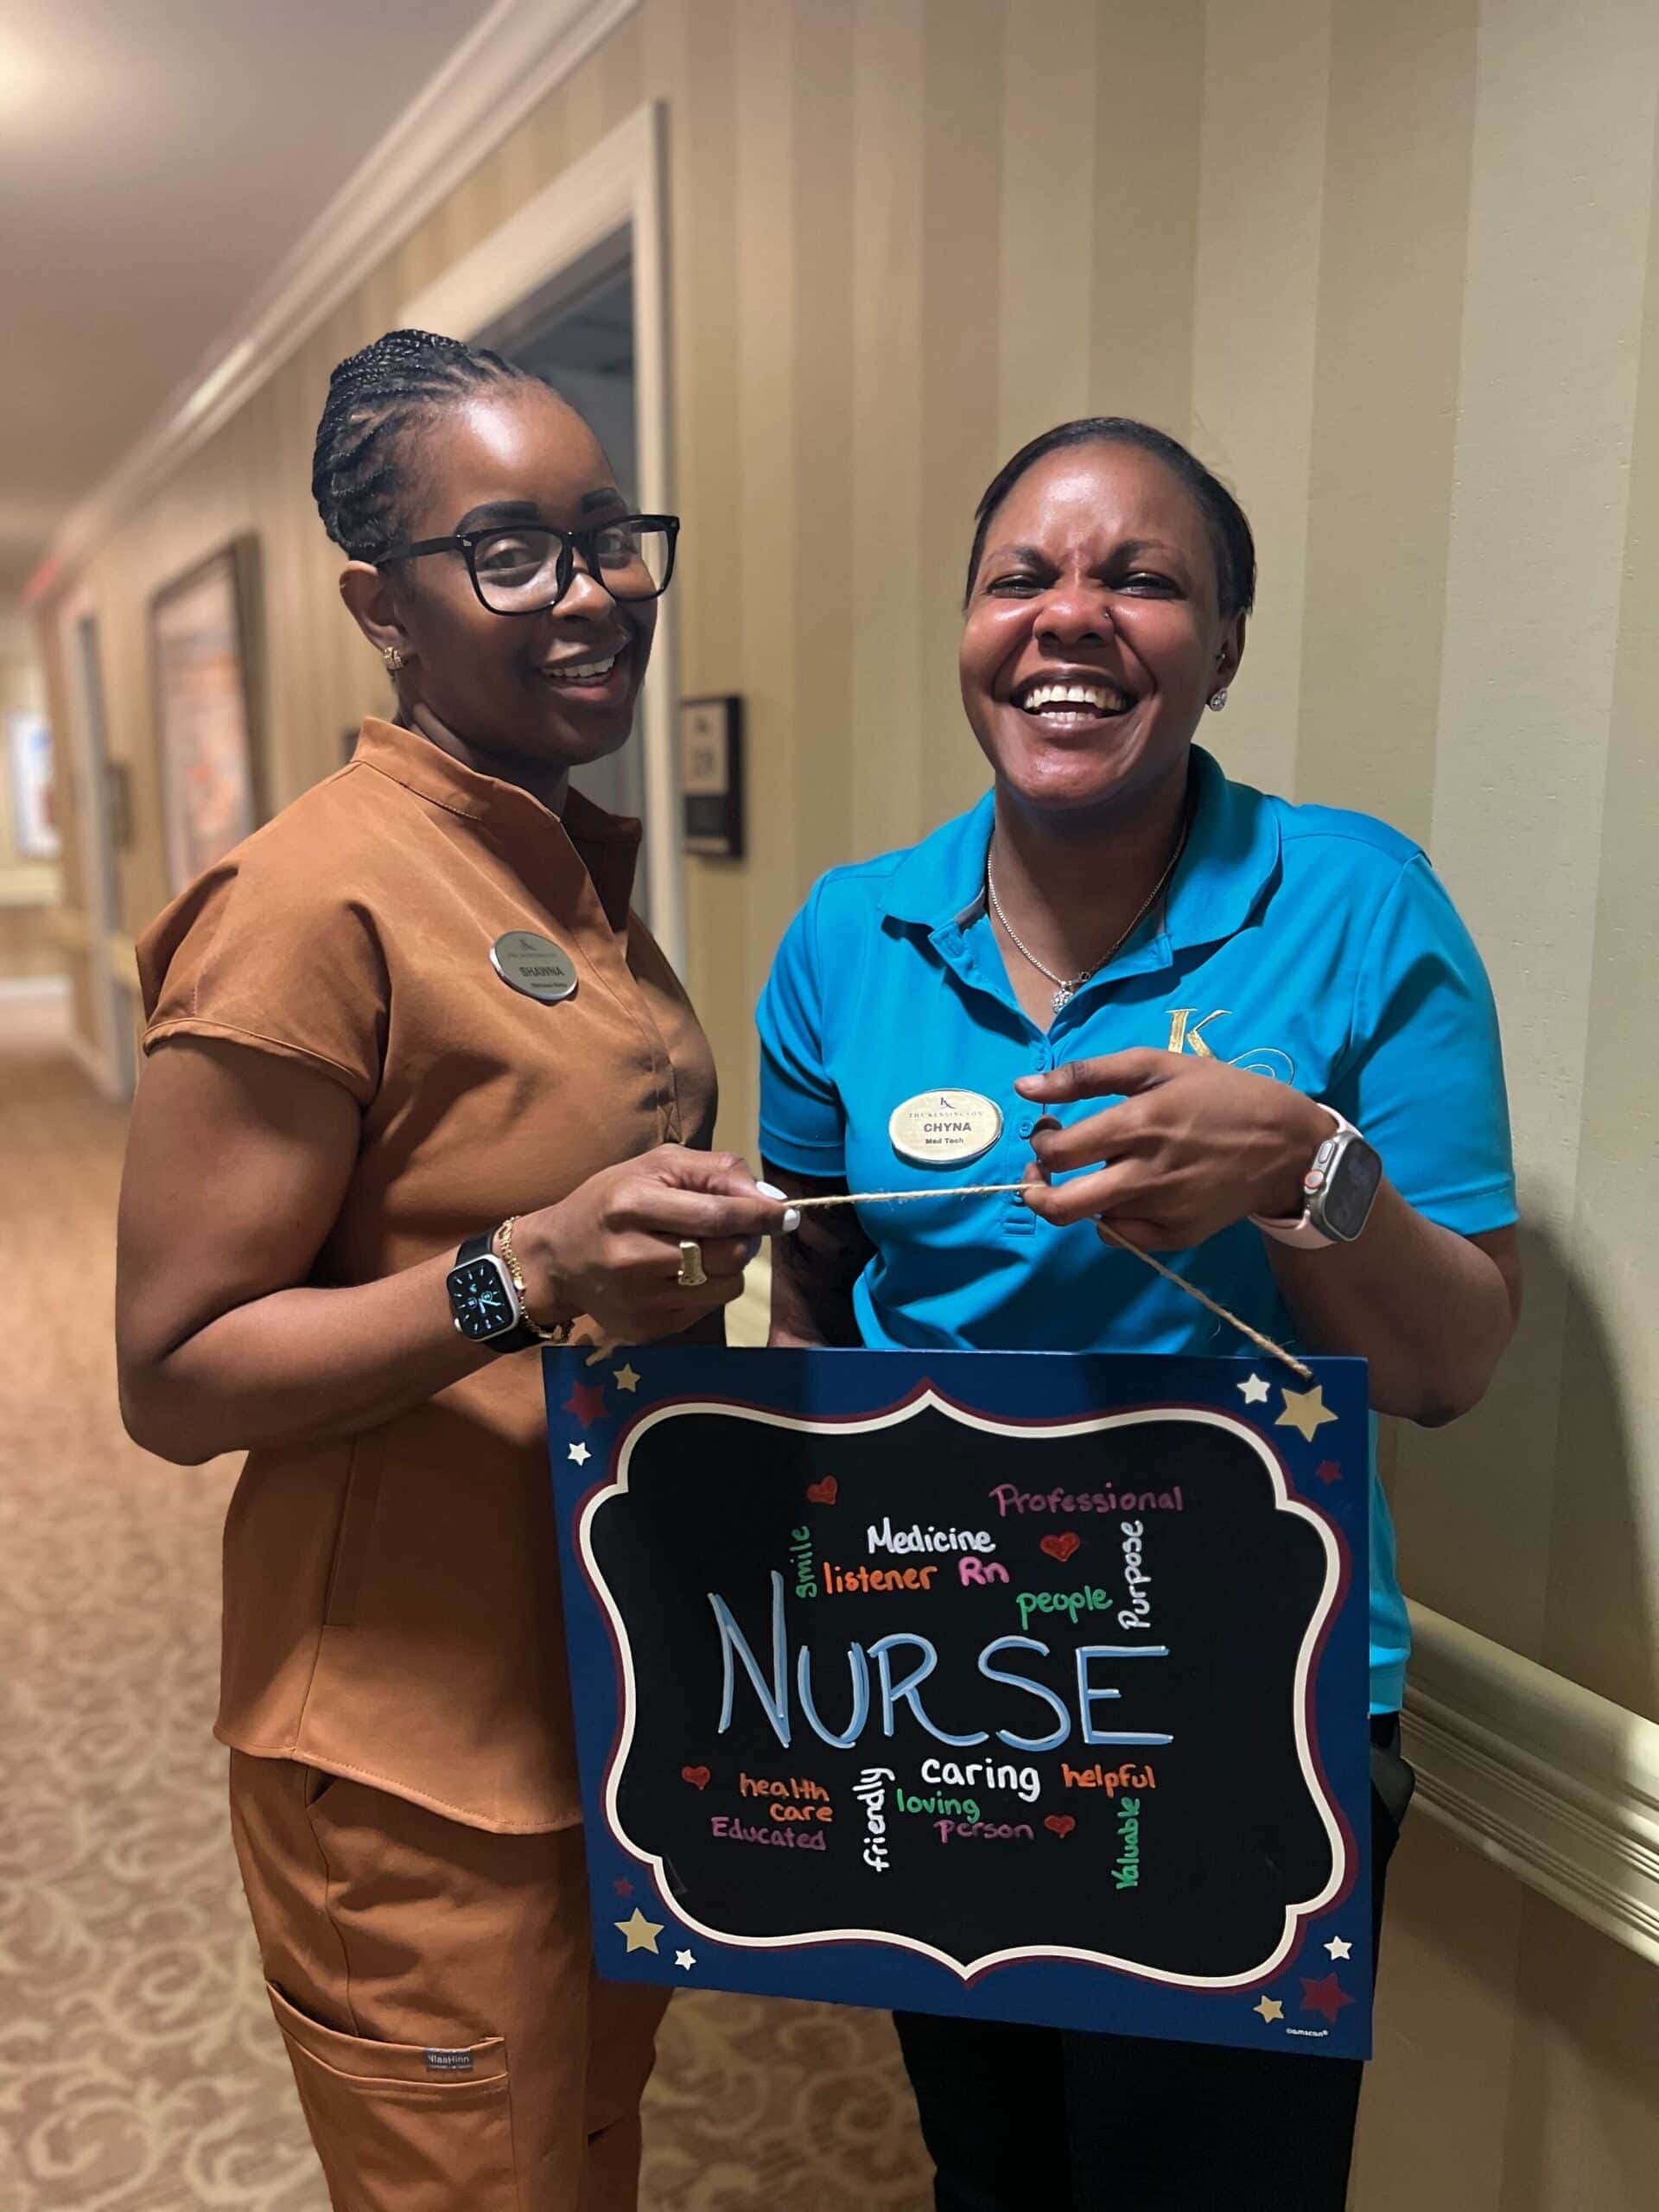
x=1310 y=1119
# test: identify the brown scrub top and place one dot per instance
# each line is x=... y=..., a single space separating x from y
x=391 y=1606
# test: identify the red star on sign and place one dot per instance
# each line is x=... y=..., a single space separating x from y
x=1326 y=1997
x=585 y=1401
x=623 y=1886
x=1328 y=1472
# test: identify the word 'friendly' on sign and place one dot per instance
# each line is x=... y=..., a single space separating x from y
x=1029 y=1687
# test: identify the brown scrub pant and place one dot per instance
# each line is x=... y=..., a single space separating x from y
x=453 y=2049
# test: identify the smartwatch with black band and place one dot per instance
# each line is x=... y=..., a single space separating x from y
x=487 y=1308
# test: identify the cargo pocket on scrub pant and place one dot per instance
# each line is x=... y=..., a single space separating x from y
x=399 y=2128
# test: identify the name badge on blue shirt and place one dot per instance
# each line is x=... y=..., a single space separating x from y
x=944 y=1129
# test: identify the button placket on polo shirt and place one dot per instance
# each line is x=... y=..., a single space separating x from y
x=957 y=949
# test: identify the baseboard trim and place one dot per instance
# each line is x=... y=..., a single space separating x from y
x=1538 y=1775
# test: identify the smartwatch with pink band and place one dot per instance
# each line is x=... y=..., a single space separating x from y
x=1340 y=1187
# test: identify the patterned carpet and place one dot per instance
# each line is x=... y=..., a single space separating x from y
x=140 y=2070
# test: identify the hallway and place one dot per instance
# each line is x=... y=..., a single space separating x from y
x=140 y=2070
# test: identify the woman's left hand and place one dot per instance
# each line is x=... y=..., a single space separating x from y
x=1195 y=1146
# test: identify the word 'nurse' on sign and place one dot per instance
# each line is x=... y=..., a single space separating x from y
x=902 y=1661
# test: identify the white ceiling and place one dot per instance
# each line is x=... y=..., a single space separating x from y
x=158 y=159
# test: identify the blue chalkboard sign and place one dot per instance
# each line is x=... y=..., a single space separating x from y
x=1031 y=1687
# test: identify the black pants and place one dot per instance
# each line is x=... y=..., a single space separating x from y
x=1059 y=2120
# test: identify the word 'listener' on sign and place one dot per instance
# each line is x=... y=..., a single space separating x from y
x=1029 y=1687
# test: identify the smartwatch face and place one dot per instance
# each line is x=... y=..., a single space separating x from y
x=479 y=1300
x=1350 y=1190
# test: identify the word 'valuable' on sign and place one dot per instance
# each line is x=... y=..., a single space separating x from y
x=1029 y=1687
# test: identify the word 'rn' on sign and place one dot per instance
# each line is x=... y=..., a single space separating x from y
x=1022 y=1686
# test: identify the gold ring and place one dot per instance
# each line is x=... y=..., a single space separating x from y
x=692 y=1275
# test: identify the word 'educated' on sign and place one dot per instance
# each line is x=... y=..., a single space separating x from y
x=1028 y=1687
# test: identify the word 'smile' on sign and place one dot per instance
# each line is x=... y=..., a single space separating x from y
x=1024 y=1686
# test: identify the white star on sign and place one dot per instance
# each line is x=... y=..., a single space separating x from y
x=1339 y=1948
x=581 y=1455
x=1255 y=1391
x=684 y=1961
x=626 y=1378
x=640 y=1934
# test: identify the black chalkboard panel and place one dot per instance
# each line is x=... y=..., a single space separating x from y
x=1031 y=1686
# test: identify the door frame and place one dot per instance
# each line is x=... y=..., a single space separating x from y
x=617 y=187
x=108 y=1056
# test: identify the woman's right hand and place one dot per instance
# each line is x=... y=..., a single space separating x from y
x=612 y=1248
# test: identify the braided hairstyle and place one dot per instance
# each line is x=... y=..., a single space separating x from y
x=359 y=471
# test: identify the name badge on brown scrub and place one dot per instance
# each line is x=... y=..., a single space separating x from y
x=534 y=965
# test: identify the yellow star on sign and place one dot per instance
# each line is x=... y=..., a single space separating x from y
x=641 y=1933
x=626 y=1378
x=1269 y=2008
x=1305 y=1411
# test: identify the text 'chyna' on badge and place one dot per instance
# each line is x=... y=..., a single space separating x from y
x=534 y=965
x=944 y=1129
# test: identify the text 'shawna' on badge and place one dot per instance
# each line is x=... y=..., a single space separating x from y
x=944 y=1129
x=534 y=965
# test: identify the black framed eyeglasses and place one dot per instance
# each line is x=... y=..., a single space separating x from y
x=524 y=567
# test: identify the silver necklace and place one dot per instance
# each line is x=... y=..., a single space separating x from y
x=1068 y=987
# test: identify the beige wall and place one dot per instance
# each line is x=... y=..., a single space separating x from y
x=1394 y=271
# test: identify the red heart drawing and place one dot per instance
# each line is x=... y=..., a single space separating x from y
x=823 y=1493
x=1061 y=1823
x=1061 y=1548
x=696 y=1776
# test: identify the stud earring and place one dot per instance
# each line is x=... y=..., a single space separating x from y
x=1219 y=700
x=393 y=658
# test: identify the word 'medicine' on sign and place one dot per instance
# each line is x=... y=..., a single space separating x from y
x=1029 y=1687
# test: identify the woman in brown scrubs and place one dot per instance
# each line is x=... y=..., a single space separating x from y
x=413 y=1008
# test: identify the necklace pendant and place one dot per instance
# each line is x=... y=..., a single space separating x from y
x=1063 y=996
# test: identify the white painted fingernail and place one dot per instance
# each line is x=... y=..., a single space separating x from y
x=792 y=1220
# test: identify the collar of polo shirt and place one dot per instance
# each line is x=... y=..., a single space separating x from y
x=1231 y=864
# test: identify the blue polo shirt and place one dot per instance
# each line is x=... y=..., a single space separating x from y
x=1307 y=944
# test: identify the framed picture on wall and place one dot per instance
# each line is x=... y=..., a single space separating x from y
x=33 y=830
x=204 y=630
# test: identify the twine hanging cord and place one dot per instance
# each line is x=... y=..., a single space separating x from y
x=992 y=1189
